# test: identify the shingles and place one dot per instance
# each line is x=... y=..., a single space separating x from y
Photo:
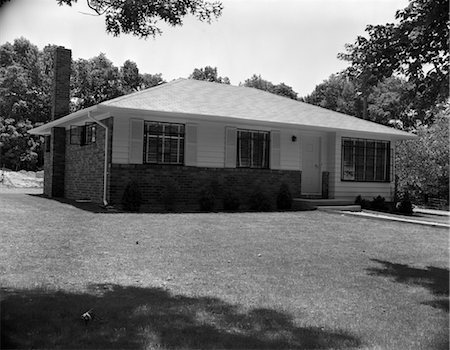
x=221 y=100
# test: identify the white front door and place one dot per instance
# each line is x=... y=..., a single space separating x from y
x=311 y=165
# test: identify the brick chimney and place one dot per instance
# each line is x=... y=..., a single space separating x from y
x=55 y=157
x=61 y=82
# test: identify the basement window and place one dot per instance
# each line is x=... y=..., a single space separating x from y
x=365 y=160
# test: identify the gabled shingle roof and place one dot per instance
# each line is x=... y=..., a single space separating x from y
x=221 y=100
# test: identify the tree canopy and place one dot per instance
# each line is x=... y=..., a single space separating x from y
x=142 y=17
x=257 y=82
x=26 y=75
x=209 y=74
x=416 y=47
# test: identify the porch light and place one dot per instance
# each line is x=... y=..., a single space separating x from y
x=294 y=138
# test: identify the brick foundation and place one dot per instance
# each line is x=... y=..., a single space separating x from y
x=179 y=188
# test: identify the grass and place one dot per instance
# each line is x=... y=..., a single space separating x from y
x=299 y=280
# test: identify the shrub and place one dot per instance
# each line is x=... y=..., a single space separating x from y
x=207 y=200
x=132 y=197
x=231 y=202
x=259 y=201
x=364 y=203
x=379 y=203
x=405 y=205
x=284 y=198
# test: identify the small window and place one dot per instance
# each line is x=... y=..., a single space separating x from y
x=365 y=160
x=253 y=149
x=164 y=143
x=83 y=135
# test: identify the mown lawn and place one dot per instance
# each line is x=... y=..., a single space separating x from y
x=299 y=280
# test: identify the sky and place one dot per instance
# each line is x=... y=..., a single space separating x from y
x=295 y=42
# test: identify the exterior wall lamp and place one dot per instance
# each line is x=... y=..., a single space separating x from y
x=294 y=138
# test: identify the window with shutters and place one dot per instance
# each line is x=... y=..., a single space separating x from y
x=84 y=134
x=164 y=143
x=253 y=149
x=365 y=160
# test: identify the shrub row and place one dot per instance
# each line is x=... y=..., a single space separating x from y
x=404 y=206
x=209 y=197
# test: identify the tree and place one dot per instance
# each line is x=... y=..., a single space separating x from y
x=131 y=79
x=141 y=17
x=337 y=93
x=416 y=47
x=423 y=163
x=209 y=74
x=94 y=81
x=150 y=80
x=257 y=82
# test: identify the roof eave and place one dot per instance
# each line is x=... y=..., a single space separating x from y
x=45 y=129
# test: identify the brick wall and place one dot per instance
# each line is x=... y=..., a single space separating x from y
x=54 y=164
x=85 y=166
x=185 y=184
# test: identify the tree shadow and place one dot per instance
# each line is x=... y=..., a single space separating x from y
x=140 y=318
x=435 y=279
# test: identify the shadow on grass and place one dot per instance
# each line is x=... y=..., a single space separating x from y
x=141 y=318
x=435 y=279
x=86 y=206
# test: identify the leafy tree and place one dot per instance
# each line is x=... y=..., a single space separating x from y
x=150 y=80
x=337 y=93
x=423 y=163
x=141 y=17
x=416 y=47
x=257 y=82
x=209 y=74
x=94 y=81
x=19 y=150
x=131 y=79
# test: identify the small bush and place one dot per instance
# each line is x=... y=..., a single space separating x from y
x=379 y=203
x=364 y=203
x=231 y=202
x=132 y=197
x=405 y=205
x=259 y=201
x=207 y=200
x=284 y=198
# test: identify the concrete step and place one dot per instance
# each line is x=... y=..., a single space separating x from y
x=324 y=204
x=353 y=208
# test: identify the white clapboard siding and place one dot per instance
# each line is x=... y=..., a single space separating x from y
x=191 y=145
x=230 y=147
x=136 y=141
x=275 y=147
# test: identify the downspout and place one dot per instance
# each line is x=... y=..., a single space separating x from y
x=105 y=170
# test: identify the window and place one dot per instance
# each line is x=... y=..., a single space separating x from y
x=365 y=160
x=163 y=143
x=83 y=135
x=253 y=149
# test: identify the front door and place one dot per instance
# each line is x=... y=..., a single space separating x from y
x=311 y=165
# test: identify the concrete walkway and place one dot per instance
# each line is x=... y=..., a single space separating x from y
x=386 y=216
x=432 y=212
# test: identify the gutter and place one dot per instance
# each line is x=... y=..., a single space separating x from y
x=105 y=169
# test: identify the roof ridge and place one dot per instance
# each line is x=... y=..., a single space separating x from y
x=140 y=92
